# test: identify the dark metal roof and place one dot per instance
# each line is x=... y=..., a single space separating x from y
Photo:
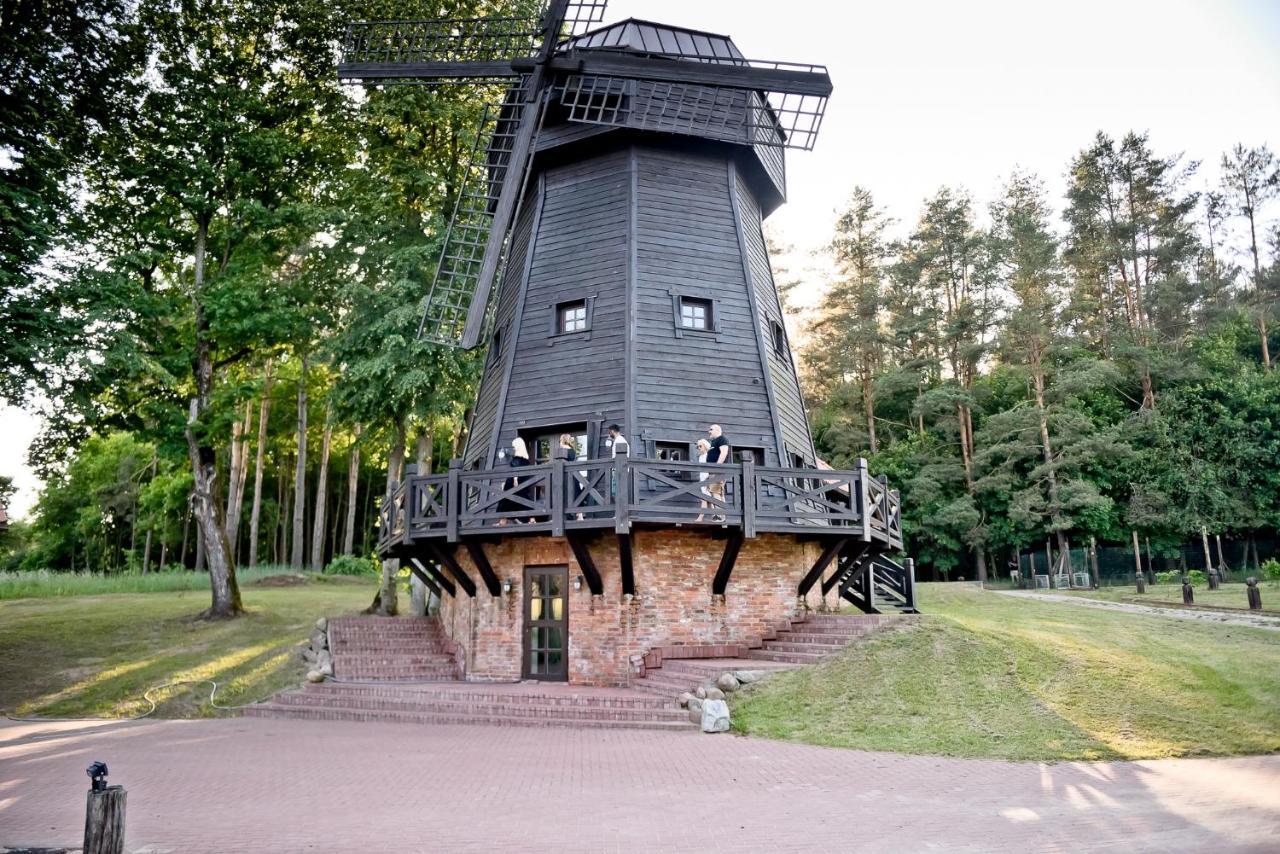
x=648 y=37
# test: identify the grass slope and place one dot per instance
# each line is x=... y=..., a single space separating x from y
x=993 y=675
x=74 y=656
x=42 y=583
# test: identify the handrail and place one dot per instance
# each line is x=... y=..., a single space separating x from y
x=560 y=495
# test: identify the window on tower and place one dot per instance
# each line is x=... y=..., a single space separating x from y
x=696 y=314
x=571 y=317
x=779 y=339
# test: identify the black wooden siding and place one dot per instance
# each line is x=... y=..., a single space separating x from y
x=630 y=251
x=786 y=385
x=686 y=243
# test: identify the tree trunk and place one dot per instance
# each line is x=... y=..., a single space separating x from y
x=186 y=535
x=236 y=477
x=1137 y=555
x=322 y=486
x=353 y=485
x=460 y=438
x=283 y=513
x=869 y=413
x=146 y=550
x=1257 y=283
x=426 y=448
x=385 y=602
x=199 y=545
x=207 y=509
x=255 y=514
x=298 y=553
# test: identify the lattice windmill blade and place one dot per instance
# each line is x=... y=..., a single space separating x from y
x=728 y=113
x=582 y=14
x=460 y=290
x=429 y=53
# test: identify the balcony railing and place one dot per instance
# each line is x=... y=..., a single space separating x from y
x=562 y=496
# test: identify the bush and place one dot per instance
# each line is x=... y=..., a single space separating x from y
x=1197 y=577
x=351 y=565
x=1271 y=570
x=1168 y=578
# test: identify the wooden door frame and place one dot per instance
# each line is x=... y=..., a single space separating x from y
x=525 y=669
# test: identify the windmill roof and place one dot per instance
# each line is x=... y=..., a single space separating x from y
x=648 y=37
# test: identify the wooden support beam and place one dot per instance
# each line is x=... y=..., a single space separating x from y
x=419 y=572
x=430 y=572
x=445 y=555
x=832 y=548
x=731 y=548
x=583 y=556
x=481 y=560
x=624 y=560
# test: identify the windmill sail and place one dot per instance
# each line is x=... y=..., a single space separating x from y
x=457 y=291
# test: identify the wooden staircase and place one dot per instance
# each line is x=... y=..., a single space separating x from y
x=874 y=583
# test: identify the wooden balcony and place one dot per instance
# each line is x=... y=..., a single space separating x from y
x=619 y=494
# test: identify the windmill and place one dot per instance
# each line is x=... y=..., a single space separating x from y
x=634 y=75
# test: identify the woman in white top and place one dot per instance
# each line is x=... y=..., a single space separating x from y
x=704 y=448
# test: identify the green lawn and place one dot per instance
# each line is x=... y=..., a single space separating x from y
x=1226 y=596
x=993 y=675
x=43 y=583
x=96 y=655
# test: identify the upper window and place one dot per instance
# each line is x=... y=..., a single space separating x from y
x=779 y=339
x=495 y=347
x=571 y=317
x=696 y=314
x=757 y=454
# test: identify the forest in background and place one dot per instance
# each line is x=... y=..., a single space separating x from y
x=213 y=258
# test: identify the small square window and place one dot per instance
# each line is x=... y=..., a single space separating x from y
x=779 y=339
x=495 y=347
x=757 y=454
x=695 y=314
x=571 y=317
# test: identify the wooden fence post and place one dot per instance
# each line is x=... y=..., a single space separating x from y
x=747 y=496
x=452 y=502
x=555 y=492
x=103 y=814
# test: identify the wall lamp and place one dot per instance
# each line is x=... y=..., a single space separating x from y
x=577 y=583
x=506 y=587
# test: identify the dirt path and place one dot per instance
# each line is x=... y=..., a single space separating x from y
x=1244 y=618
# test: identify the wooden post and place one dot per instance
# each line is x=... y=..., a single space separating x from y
x=1093 y=561
x=1151 y=567
x=1048 y=563
x=621 y=495
x=1253 y=594
x=452 y=500
x=910 y=566
x=747 y=495
x=864 y=500
x=555 y=492
x=104 y=821
x=1222 y=561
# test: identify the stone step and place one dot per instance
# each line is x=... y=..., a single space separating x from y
x=789 y=657
x=394 y=658
x=473 y=692
x=396 y=674
x=273 y=710
x=816 y=639
x=822 y=650
x=431 y=705
x=673 y=683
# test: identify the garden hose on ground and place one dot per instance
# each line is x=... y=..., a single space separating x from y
x=146 y=695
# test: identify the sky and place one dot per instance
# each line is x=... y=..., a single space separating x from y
x=959 y=92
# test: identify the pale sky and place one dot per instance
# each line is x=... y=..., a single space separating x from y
x=960 y=91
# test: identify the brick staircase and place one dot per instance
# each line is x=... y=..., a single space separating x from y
x=391 y=649
x=505 y=704
x=405 y=670
x=670 y=671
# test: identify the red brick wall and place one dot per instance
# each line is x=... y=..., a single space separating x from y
x=673 y=603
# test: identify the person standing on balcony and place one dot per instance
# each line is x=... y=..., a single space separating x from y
x=617 y=442
x=576 y=478
x=719 y=453
x=704 y=448
x=519 y=459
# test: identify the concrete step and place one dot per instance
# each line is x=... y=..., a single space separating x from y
x=817 y=639
x=273 y=710
x=395 y=659
x=673 y=683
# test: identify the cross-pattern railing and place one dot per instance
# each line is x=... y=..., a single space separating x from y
x=617 y=493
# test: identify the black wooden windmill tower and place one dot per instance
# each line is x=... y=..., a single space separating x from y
x=607 y=248
x=616 y=197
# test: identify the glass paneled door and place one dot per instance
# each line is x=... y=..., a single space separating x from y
x=546 y=623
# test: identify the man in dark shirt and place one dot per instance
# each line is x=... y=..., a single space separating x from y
x=720 y=453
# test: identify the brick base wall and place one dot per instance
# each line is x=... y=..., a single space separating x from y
x=609 y=633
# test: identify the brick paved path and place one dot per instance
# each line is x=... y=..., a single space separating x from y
x=286 y=786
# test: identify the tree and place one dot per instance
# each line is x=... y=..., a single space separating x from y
x=848 y=335
x=1251 y=178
